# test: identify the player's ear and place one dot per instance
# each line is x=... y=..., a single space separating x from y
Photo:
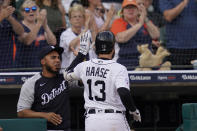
x=42 y=61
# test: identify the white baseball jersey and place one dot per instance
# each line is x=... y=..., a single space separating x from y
x=101 y=79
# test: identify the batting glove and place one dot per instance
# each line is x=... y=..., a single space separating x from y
x=136 y=115
x=85 y=41
x=70 y=76
x=65 y=73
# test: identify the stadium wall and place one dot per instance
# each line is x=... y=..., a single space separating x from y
x=160 y=106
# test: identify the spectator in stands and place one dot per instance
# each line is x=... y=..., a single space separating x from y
x=100 y=12
x=103 y=17
x=37 y=35
x=181 y=30
x=103 y=20
x=8 y=26
x=131 y=29
x=74 y=2
x=70 y=38
x=1 y=129
x=153 y=15
x=46 y=94
x=55 y=15
x=97 y=24
x=157 y=19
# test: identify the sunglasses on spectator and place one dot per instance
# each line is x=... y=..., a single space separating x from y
x=101 y=10
x=33 y=8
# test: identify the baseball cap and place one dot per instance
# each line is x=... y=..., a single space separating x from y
x=47 y=49
x=129 y=2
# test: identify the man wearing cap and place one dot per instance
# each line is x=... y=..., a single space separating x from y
x=45 y=95
x=132 y=29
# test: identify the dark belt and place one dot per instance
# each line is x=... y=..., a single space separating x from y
x=93 y=111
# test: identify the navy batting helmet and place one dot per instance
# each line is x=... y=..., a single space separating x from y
x=104 y=42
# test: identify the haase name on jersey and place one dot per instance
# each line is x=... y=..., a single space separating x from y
x=99 y=72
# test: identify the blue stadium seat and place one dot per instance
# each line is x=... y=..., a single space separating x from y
x=189 y=115
x=23 y=124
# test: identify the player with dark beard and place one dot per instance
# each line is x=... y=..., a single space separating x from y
x=45 y=95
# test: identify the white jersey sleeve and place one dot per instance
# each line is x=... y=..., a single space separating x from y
x=26 y=97
x=122 y=78
x=77 y=71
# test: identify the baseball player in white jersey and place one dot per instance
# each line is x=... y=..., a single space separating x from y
x=106 y=87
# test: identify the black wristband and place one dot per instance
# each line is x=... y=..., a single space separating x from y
x=79 y=58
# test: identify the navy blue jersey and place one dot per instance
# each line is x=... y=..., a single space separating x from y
x=43 y=94
x=6 y=45
x=27 y=55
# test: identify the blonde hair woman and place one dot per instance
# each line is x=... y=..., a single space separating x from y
x=69 y=39
x=37 y=34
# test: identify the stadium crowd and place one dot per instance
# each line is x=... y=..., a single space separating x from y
x=28 y=25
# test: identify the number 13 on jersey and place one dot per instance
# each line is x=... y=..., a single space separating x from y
x=97 y=86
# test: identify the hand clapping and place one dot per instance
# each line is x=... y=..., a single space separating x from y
x=41 y=16
x=143 y=14
x=7 y=11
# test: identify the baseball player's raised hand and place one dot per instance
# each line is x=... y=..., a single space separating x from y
x=56 y=119
x=136 y=115
x=85 y=41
